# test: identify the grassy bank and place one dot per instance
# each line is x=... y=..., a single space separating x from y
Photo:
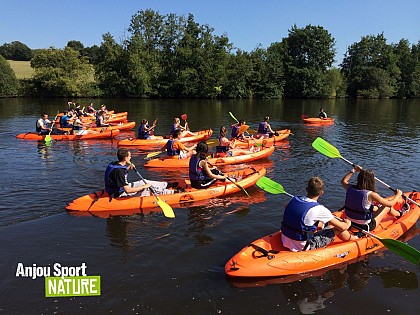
x=22 y=69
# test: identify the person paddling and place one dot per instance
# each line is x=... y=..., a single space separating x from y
x=200 y=173
x=302 y=216
x=176 y=149
x=264 y=129
x=322 y=114
x=116 y=179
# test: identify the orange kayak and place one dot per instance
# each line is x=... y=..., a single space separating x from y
x=245 y=158
x=89 y=118
x=266 y=142
x=318 y=121
x=114 y=126
x=99 y=201
x=107 y=134
x=202 y=135
x=267 y=257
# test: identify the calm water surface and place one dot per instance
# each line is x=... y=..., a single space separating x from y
x=153 y=265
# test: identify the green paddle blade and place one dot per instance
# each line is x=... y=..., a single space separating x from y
x=270 y=186
x=325 y=148
x=167 y=210
x=47 y=138
x=402 y=249
x=234 y=118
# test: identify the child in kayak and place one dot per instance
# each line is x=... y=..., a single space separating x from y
x=227 y=147
x=302 y=216
x=322 y=114
x=145 y=131
x=264 y=129
x=360 y=207
x=200 y=173
x=116 y=179
x=176 y=149
x=235 y=130
x=185 y=132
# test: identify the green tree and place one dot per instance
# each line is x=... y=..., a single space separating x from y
x=111 y=71
x=62 y=73
x=365 y=62
x=16 y=51
x=8 y=82
x=309 y=53
x=238 y=74
x=415 y=81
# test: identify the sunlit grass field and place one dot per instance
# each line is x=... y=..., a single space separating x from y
x=22 y=69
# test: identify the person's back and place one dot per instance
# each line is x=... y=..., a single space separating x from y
x=322 y=114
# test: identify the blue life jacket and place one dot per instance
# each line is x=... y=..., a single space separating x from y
x=195 y=172
x=64 y=121
x=143 y=134
x=39 y=129
x=110 y=187
x=293 y=225
x=353 y=207
x=170 y=150
x=173 y=128
x=262 y=127
x=98 y=121
x=235 y=130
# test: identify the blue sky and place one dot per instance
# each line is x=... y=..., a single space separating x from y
x=247 y=23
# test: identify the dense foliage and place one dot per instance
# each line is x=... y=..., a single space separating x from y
x=174 y=56
x=16 y=51
x=8 y=83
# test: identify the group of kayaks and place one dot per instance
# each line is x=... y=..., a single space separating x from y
x=264 y=257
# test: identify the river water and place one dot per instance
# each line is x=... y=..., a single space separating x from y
x=153 y=265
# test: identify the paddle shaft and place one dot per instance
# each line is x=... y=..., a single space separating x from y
x=231 y=180
x=382 y=182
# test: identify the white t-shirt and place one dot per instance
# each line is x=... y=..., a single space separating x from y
x=317 y=213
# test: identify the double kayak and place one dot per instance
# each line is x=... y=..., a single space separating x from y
x=227 y=160
x=106 y=134
x=267 y=257
x=248 y=142
x=317 y=121
x=202 y=135
x=100 y=201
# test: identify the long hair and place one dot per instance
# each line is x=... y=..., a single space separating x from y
x=202 y=149
x=366 y=180
x=223 y=132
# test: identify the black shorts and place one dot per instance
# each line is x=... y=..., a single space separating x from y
x=203 y=184
x=367 y=227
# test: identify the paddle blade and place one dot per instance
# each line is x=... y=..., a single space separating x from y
x=252 y=131
x=402 y=249
x=212 y=142
x=153 y=154
x=243 y=128
x=184 y=117
x=234 y=118
x=325 y=148
x=47 y=138
x=167 y=209
x=270 y=186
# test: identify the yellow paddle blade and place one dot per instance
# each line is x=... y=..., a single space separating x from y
x=243 y=128
x=150 y=155
x=167 y=209
x=212 y=142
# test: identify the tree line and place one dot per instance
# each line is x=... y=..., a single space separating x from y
x=171 y=56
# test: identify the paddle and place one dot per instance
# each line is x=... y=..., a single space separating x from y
x=231 y=180
x=251 y=131
x=402 y=249
x=48 y=136
x=167 y=210
x=210 y=143
x=329 y=150
x=184 y=118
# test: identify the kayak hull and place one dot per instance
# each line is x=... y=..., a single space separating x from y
x=318 y=121
x=228 y=160
x=251 y=262
x=202 y=135
x=100 y=201
x=249 y=142
x=120 y=126
x=107 y=134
